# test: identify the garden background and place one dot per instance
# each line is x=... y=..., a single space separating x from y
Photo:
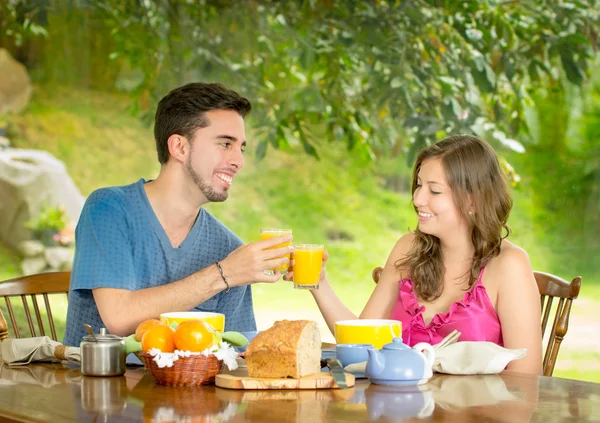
x=345 y=93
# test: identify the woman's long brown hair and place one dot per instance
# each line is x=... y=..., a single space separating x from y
x=473 y=173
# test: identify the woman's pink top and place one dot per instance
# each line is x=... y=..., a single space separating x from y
x=474 y=317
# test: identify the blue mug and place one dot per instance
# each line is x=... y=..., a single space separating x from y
x=352 y=353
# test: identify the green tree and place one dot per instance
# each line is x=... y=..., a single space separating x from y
x=385 y=76
x=382 y=76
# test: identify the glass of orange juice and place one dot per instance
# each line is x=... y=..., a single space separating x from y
x=308 y=259
x=266 y=233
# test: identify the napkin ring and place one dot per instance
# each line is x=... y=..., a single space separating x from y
x=60 y=352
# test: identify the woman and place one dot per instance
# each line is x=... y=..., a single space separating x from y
x=456 y=270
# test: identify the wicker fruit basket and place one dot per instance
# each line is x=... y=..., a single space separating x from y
x=194 y=370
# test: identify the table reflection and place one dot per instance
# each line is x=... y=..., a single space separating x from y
x=45 y=375
x=103 y=396
x=397 y=403
x=497 y=398
x=171 y=403
x=508 y=397
x=284 y=406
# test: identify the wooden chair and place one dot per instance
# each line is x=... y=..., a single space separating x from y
x=32 y=286
x=550 y=287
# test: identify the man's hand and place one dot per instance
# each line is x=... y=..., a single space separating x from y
x=247 y=264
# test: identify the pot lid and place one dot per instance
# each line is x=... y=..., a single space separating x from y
x=396 y=344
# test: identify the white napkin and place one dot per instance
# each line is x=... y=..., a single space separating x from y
x=474 y=358
x=464 y=358
x=19 y=352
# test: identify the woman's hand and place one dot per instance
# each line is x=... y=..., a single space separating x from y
x=289 y=276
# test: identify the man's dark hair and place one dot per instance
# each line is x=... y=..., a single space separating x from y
x=182 y=111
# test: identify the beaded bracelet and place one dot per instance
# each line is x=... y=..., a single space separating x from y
x=223 y=276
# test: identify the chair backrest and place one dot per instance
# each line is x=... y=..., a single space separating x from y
x=550 y=287
x=33 y=286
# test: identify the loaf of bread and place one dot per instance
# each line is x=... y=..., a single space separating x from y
x=290 y=348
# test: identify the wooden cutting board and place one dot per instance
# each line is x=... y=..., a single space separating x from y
x=239 y=379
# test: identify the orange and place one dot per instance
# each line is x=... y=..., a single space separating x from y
x=194 y=336
x=144 y=326
x=161 y=337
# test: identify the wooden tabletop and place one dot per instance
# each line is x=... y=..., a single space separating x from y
x=57 y=393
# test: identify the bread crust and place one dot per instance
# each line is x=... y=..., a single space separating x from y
x=278 y=351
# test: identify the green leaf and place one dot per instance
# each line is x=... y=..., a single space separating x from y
x=234 y=339
x=505 y=33
x=574 y=74
x=509 y=66
x=261 y=150
x=414 y=149
x=482 y=81
x=131 y=344
x=350 y=139
x=362 y=121
x=309 y=148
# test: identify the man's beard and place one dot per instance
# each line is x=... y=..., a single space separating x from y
x=207 y=189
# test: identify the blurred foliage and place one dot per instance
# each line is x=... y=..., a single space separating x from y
x=51 y=226
x=564 y=153
x=50 y=218
x=589 y=149
x=23 y=20
x=384 y=77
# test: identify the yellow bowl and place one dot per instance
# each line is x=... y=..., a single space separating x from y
x=367 y=331
x=216 y=320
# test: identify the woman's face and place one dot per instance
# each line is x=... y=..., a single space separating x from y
x=433 y=198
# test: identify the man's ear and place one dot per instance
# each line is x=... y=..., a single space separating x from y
x=179 y=147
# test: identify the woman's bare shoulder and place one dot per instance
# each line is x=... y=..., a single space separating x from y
x=402 y=247
x=512 y=255
x=512 y=267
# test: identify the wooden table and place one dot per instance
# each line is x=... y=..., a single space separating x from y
x=56 y=393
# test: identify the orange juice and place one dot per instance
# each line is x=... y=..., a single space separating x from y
x=308 y=259
x=271 y=233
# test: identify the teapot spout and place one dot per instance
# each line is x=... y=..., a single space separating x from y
x=375 y=363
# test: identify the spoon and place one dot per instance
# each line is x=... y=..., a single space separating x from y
x=90 y=331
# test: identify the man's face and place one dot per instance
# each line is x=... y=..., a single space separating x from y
x=216 y=154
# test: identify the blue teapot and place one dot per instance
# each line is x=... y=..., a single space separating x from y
x=398 y=364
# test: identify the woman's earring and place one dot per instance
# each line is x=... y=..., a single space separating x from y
x=470 y=213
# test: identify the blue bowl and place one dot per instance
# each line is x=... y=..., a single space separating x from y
x=249 y=335
x=352 y=353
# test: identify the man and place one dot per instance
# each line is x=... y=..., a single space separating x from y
x=149 y=247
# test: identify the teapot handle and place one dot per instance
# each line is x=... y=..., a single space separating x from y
x=428 y=352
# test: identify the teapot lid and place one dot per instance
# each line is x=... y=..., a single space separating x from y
x=396 y=344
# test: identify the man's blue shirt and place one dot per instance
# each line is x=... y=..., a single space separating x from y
x=121 y=244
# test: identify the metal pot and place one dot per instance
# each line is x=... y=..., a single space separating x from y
x=102 y=355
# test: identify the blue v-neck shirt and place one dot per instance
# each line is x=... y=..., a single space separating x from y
x=119 y=243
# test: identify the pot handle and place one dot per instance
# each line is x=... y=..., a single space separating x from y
x=427 y=351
